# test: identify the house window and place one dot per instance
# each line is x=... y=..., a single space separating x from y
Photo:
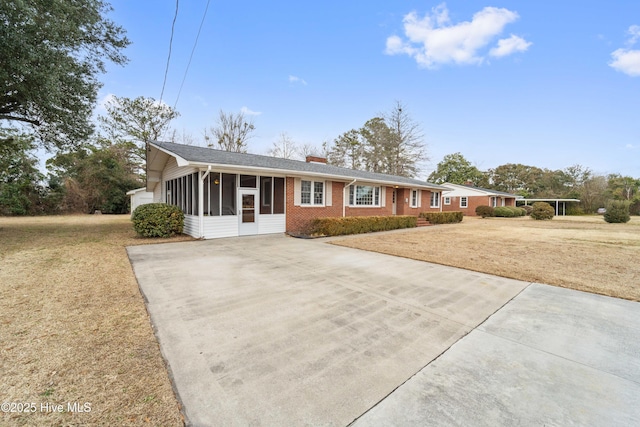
x=266 y=199
x=494 y=201
x=311 y=192
x=435 y=200
x=228 y=194
x=248 y=181
x=447 y=200
x=278 y=195
x=414 y=198
x=364 y=195
x=463 y=201
x=271 y=195
x=183 y=193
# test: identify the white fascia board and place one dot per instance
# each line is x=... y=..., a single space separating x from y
x=179 y=160
x=300 y=174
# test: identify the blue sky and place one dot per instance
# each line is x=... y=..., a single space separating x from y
x=543 y=83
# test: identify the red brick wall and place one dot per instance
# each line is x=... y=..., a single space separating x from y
x=404 y=202
x=299 y=217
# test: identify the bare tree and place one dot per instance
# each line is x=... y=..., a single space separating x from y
x=406 y=147
x=231 y=133
x=284 y=147
x=185 y=137
x=310 y=150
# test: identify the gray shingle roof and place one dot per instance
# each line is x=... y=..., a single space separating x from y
x=488 y=190
x=203 y=155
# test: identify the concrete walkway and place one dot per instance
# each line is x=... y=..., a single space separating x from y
x=552 y=356
x=271 y=330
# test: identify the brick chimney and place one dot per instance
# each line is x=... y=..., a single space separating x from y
x=469 y=183
x=316 y=159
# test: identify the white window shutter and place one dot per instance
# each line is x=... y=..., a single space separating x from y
x=383 y=196
x=419 y=198
x=328 y=192
x=297 y=192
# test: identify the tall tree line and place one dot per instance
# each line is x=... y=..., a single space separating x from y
x=573 y=182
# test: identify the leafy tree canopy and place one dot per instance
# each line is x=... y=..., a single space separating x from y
x=456 y=169
x=51 y=53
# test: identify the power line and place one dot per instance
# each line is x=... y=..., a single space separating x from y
x=166 y=71
x=191 y=56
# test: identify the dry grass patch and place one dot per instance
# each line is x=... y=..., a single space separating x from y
x=74 y=327
x=583 y=253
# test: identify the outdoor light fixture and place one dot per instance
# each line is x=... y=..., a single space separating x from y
x=216 y=181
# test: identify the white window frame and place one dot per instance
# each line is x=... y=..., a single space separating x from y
x=447 y=200
x=414 y=198
x=313 y=194
x=464 y=202
x=377 y=194
x=437 y=199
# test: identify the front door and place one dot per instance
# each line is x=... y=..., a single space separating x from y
x=248 y=215
x=393 y=202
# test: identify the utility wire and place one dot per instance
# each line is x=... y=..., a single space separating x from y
x=191 y=56
x=166 y=71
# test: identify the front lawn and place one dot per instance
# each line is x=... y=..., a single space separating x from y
x=583 y=253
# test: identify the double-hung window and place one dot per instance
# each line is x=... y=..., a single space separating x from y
x=414 y=198
x=447 y=200
x=435 y=199
x=311 y=192
x=364 y=195
x=463 y=201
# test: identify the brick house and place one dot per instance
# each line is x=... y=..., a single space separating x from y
x=226 y=194
x=466 y=198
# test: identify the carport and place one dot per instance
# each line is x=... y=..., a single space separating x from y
x=558 y=203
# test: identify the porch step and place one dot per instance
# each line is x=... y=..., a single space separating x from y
x=423 y=222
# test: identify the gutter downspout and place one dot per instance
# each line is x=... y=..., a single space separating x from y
x=344 y=197
x=201 y=203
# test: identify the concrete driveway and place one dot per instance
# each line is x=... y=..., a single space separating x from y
x=270 y=330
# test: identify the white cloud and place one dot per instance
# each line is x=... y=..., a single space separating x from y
x=295 y=79
x=634 y=32
x=249 y=112
x=508 y=46
x=631 y=147
x=627 y=60
x=433 y=40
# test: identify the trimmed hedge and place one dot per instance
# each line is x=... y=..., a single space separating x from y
x=485 y=211
x=617 y=212
x=360 y=224
x=509 y=211
x=542 y=211
x=158 y=220
x=442 y=217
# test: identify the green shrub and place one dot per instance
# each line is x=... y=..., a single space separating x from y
x=158 y=220
x=442 y=217
x=617 y=211
x=360 y=224
x=504 y=212
x=527 y=209
x=574 y=209
x=542 y=210
x=485 y=211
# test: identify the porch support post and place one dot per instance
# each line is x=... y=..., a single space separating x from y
x=201 y=202
x=345 y=198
